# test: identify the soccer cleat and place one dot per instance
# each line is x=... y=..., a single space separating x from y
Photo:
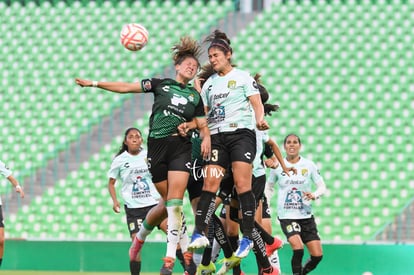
x=245 y=245
x=206 y=269
x=198 y=241
x=277 y=244
x=167 y=267
x=135 y=248
x=272 y=271
x=274 y=260
x=228 y=263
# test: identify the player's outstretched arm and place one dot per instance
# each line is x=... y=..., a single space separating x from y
x=116 y=87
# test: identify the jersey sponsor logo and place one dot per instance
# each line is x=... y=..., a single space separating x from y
x=293 y=199
x=217 y=114
x=140 y=188
x=231 y=84
x=222 y=95
x=177 y=100
x=147 y=85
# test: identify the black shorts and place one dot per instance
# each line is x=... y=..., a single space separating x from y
x=135 y=217
x=306 y=228
x=228 y=147
x=1 y=217
x=258 y=186
x=171 y=153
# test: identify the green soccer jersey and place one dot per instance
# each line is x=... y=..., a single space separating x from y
x=174 y=103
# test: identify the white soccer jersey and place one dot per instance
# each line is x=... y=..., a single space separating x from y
x=258 y=166
x=132 y=171
x=227 y=99
x=5 y=171
x=291 y=203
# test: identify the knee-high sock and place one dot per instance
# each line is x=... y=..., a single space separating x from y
x=205 y=209
x=311 y=264
x=207 y=251
x=221 y=237
x=174 y=223
x=135 y=267
x=248 y=209
x=296 y=261
x=267 y=238
x=259 y=250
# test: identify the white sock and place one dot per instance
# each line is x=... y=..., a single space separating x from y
x=215 y=251
x=174 y=223
x=143 y=233
x=197 y=257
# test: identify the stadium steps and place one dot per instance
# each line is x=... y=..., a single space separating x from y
x=89 y=143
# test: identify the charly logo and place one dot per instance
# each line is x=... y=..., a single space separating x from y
x=201 y=172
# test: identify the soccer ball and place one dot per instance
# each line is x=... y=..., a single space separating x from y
x=134 y=36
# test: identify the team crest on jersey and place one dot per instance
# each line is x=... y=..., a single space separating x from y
x=305 y=172
x=191 y=97
x=231 y=84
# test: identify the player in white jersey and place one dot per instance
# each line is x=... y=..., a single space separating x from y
x=6 y=172
x=139 y=195
x=294 y=205
x=232 y=102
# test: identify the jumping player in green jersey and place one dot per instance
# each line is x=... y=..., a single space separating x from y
x=169 y=154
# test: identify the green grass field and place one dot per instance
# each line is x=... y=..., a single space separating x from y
x=28 y=272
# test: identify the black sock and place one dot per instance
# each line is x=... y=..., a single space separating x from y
x=234 y=242
x=259 y=250
x=248 y=209
x=267 y=238
x=296 y=261
x=221 y=237
x=206 y=256
x=135 y=267
x=311 y=264
x=205 y=209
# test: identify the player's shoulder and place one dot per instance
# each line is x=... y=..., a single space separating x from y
x=307 y=162
x=241 y=73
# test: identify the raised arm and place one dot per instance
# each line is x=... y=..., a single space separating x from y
x=278 y=154
x=116 y=87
